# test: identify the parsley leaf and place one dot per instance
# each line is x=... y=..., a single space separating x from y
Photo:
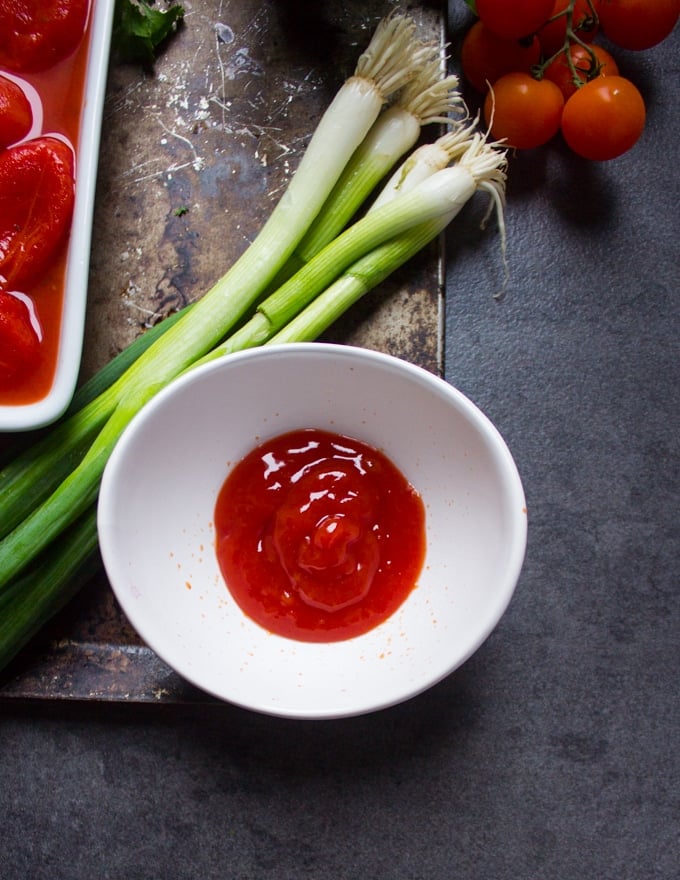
x=139 y=29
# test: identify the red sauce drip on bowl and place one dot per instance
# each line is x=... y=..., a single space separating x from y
x=319 y=537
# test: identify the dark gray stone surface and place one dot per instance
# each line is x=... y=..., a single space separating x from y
x=552 y=753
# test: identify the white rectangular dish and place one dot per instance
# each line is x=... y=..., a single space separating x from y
x=25 y=416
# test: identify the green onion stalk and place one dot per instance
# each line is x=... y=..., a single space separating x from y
x=430 y=204
x=47 y=522
x=428 y=99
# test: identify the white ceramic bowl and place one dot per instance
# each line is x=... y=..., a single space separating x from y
x=156 y=534
x=50 y=407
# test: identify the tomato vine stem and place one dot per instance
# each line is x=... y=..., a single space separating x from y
x=571 y=38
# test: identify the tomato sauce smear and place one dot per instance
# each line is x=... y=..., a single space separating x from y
x=319 y=537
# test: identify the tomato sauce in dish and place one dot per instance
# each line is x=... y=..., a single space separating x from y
x=319 y=537
x=34 y=232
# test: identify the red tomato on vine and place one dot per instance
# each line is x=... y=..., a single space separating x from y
x=586 y=67
x=515 y=19
x=638 y=24
x=485 y=57
x=523 y=111
x=604 y=118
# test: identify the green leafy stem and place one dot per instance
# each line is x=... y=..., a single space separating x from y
x=140 y=29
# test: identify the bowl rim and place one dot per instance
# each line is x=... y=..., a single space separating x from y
x=512 y=489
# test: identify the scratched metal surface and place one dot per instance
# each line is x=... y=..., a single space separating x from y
x=193 y=156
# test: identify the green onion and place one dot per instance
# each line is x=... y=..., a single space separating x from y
x=436 y=198
x=52 y=581
x=361 y=277
x=428 y=99
x=393 y=58
x=115 y=368
x=476 y=156
x=47 y=517
x=425 y=160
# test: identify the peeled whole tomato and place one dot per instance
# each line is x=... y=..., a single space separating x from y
x=37 y=34
x=16 y=115
x=19 y=342
x=36 y=206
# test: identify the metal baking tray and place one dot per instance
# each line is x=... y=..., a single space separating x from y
x=193 y=155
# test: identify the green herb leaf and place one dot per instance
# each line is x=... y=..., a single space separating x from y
x=139 y=28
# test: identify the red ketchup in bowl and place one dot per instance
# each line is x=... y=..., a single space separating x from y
x=319 y=537
x=43 y=56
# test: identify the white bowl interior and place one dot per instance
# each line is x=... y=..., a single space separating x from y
x=156 y=526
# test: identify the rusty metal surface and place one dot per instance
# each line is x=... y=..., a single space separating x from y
x=193 y=156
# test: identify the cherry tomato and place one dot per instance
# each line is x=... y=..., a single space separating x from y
x=16 y=115
x=523 y=111
x=604 y=118
x=587 y=67
x=585 y=26
x=484 y=57
x=515 y=19
x=37 y=34
x=36 y=206
x=638 y=24
x=19 y=341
